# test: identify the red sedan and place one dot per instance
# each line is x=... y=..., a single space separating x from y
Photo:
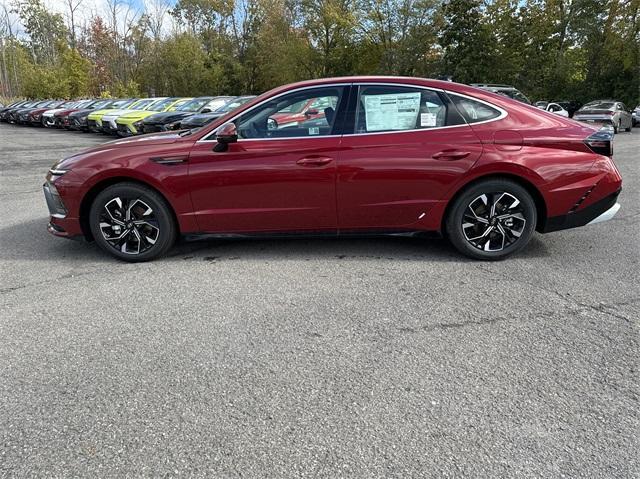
x=387 y=155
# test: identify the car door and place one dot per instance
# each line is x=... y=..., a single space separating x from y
x=408 y=147
x=274 y=179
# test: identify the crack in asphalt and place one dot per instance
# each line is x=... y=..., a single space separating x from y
x=444 y=326
x=599 y=307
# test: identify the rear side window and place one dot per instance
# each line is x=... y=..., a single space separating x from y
x=398 y=108
x=474 y=111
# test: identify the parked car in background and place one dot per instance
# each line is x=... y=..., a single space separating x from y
x=171 y=120
x=506 y=90
x=606 y=112
x=78 y=121
x=405 y=156
x=635 y=116
x=16 y=104
x=11 y=112
x=131 y=123
x=94 y=119
x=570 y=105
x=228 y=105
x=33 y=116
x=541 y=104
x=48 y=118
x=557 y=109
x=109 y=125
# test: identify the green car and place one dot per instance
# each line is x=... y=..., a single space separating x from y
x=109 y=119
x=94 y=120
x=130 y=123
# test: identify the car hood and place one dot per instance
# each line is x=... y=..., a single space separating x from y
x=136 y=115
x=167 y=116
x=111 y=113
x=53 y=111
x=151 y=139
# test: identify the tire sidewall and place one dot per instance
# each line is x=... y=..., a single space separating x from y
x=453 y=224
x=160 y=208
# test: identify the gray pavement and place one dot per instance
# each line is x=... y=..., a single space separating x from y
x=314 y=358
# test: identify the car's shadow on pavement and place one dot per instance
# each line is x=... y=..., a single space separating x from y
x=30 y=241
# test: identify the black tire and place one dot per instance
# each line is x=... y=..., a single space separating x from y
x=507 y=231
x=135 y=216
x=616 y=128
x=628 y=129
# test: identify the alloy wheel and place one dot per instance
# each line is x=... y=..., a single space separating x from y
x=493 y=221
x=129 y=225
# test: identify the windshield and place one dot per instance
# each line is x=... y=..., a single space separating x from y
x=214 y=105
x=121 y=103
x=162 y=105
x=142 y=104
x=99 y=104
x=234 y=104
x=193 y=105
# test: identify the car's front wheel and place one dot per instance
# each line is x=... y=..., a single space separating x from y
x=491 y=219
x=132 y=222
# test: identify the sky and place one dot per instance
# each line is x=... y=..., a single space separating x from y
x=91 y=8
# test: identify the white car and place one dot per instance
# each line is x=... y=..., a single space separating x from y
x=48 y=117
x=557 y=109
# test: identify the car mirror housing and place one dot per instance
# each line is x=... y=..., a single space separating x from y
x=205 y=110
x=226 y=134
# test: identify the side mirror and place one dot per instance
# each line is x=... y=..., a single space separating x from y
x=226 y=134
x=205 y=110
x=311 y=112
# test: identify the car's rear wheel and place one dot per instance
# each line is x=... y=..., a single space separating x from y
x=491 y=219
x=132 y=222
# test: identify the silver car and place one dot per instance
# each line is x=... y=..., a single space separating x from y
x=607 y=112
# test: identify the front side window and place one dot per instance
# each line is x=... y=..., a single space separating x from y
x=283 y=117
x=399 y=108
x=474 y=111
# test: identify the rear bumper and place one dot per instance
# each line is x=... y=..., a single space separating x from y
x=601 y=210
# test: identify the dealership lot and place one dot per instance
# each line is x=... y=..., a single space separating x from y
x=329 y=358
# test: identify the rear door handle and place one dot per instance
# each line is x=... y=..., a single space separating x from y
x=314 y=161
x=451 y=155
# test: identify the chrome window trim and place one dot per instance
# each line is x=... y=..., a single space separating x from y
x=503 y=112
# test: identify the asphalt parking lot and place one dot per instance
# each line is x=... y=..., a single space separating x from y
x=315 y=358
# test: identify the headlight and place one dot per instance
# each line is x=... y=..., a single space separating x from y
x=138 y=125
x=57 y=169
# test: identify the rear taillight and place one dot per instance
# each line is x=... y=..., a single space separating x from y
x=601 y=142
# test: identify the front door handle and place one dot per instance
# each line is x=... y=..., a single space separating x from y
x=451 y=155
x=314 y=161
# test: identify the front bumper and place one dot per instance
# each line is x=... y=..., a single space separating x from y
x=126 y=129
x=61 y=222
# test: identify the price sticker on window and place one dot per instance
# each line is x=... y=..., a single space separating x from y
x=427 y=119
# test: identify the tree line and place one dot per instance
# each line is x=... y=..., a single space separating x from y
x=549 y=49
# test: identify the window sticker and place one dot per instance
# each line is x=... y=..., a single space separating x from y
x=397 y=111
x=314 y=130
x=427 y=119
